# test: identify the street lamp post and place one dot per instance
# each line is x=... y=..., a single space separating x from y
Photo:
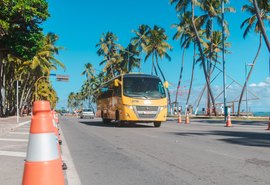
x=58 y=78
x=17 y=100
x=224 y=62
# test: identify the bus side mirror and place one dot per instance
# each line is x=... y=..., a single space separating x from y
x=116 y=83
x=166 y=84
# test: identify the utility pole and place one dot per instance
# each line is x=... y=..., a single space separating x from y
x=224 y=62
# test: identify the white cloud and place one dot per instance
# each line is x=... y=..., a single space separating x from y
x=267 y=80
x=265 y=83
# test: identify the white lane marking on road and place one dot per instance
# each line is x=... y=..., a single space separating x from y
x=23 y=123
x=12 y=154
x=7 y=139
x=71 y=172
x=20 y=133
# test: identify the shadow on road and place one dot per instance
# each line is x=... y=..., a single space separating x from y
x=234 y=137
x=114 y=124
x=234 y=122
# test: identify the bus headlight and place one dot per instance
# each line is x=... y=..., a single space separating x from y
x=129 y=107
x=163 y=107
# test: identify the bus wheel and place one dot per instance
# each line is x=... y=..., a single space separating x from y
x=157 y=123
x=117 y=121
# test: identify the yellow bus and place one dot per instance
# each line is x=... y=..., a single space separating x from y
x=133 y=98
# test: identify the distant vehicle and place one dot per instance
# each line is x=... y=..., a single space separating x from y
x=87 y=113
x=133 y=98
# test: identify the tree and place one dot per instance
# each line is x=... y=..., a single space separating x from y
x=109 y=49
x=186 y=36
x=130 y=59
x=87 y=89
x=262 y=13
x=252 y=23
x=88 y=71
x=156 y=46
x=44 y=61
x=212 y=9
x=20 y=36
x=74 y=101
x=140 y=39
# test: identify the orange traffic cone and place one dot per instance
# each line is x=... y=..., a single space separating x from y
x=187 y=119
x=179 y=118
x=42 y=165
x=228 y=122
x=55 y=115
x=57 y=135
x=55 y=126
x=268 y=124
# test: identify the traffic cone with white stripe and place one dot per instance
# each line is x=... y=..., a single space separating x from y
x=42 y=165
x=187 y=119
x=179 y=118
x=55 y=115
x=57 y=135
x=228 y=121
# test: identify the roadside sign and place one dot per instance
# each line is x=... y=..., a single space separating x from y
x=64 y=78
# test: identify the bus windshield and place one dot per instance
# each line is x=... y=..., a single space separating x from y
x=150 y=88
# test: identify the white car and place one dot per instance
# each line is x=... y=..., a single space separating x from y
x=87 y=113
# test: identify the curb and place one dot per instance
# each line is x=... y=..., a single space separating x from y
x=11 y=127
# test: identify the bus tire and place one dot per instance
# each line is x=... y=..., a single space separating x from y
x=117 y=121
x=157 y=123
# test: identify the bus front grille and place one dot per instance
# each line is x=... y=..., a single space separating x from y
x=147 y=112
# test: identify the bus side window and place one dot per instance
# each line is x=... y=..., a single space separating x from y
x=117 y=91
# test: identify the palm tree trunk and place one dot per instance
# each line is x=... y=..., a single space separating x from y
x=180 y=77
x=153 y=66
x=261 y=25
x=1 y=89
x=209 y=64
x=204 y=67
x=163 y=77
x=247 y=78
x=203 y=58
x=192 y=76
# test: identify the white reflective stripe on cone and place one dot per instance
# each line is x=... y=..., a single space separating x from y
x=42 y=147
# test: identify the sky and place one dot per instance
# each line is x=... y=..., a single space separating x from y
x=80 y=24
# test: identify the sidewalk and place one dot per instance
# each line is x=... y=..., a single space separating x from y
x=10 y=123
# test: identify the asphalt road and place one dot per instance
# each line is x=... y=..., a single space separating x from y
x=201 y=153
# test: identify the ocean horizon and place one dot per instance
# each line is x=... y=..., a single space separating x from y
x=261 y=114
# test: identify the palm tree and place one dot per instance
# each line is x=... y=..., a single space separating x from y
x=181 y=5
x=130 y=58
x=252 y=23
x=88 y=71
x=86 y=89
x=108 y=48
x=44 y=61
x=186 y=37
x=212 y=9
x=156 y=46
x=75 y=101
x=262 y=13
x=139 y=40
x=200 y=43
